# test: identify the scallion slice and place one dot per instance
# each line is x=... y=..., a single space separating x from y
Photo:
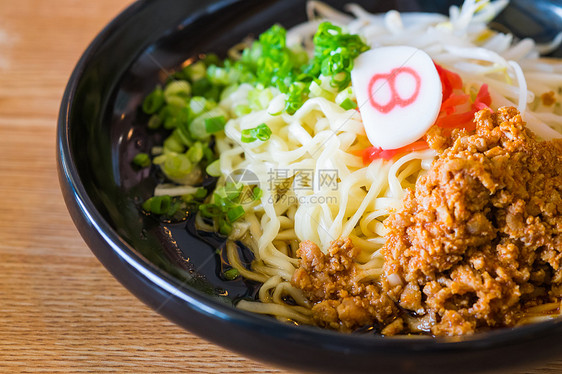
x=257 y=193
x=247 y=136
x=209 y=210
x=261 y=132
x=200 y=193
x=231 y=274
x=154 y=101
x=214 y=168
x=142 y=160
x=224 y=226
x=348 y=104
x=159 y=205
x=215 y=124
x=235 y=213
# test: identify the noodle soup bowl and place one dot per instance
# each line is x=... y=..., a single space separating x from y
x=176 y=270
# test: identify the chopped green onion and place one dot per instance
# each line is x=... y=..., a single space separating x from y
x=261 y=132
x=248 y=136
x=214 y=124
x=235 y=213
x=297 y=94
x=175 y=115
x=259 y=98
x=142 y=160
x=177 y=89
x=241 y=110
x=195 y=71
x=257 y=193
x=348 y=104
x=160 y=205
x=200 y=193
x=176 y=101
x=154 y=122
x=221 y=201
x=214 y=168
x=209 y=210
x=174 y=144
x=225 y=227
x=197 y=129
x=218 y=75
x=201 y=87
x=195 y=152
x=274 y=37
x=334 y=52
x=154 y=101
x=199 y=104
x=176 y=166
x=232 y=190
x=211 y=119
x=209 y=154
x=318 y=91
x=231 y=274
x=341 y=79
x=183 y=135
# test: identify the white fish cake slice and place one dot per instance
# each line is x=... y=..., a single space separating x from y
x=399 y=94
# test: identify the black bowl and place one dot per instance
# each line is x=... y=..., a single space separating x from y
x=172 y=268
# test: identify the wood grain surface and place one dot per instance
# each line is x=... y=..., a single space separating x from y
x=60 y=310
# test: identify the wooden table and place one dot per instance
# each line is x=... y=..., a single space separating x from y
x=60 y=310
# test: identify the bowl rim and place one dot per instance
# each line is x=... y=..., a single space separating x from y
x=174 y=288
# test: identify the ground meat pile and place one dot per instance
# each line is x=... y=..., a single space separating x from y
x=330 y=281
x=476 y=243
